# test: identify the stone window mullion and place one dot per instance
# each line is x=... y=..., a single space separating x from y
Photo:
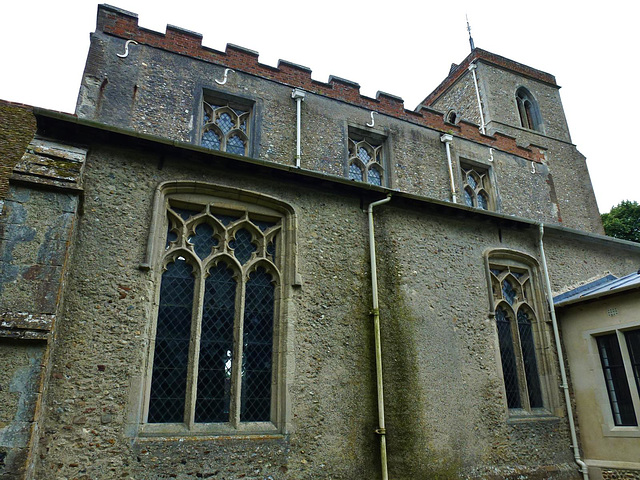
x=194 y=350
x=517 y=345
x=236 y=372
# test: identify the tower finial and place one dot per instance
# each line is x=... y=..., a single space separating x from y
x=470 y=37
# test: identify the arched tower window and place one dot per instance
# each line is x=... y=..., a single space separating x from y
x=528 y=110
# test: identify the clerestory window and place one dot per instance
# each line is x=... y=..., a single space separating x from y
x=366 y=159
x=528 y=110
x=620 y=360
x=520 y=335
x=214 y=357
x=226 y=126
x=476 y=187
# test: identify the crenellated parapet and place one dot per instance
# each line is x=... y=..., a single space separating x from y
x=123 y=24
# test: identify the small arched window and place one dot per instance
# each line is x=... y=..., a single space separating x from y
x=528 y=110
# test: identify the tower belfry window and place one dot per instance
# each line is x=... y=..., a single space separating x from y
x=528 y=110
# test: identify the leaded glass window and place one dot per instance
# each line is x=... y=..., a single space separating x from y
x=213 y=348
x=476 y=187
x=365 y=162
x=225 y=128
x=516 y=324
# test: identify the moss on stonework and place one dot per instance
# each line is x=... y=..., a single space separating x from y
x=17 y=128
x=409 y=437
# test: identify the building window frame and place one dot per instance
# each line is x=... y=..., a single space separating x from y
x=524 y=358
x=528 y=110
x=621 y=333
x=477 y=185
x=225 y=120
x=172 y=239
x=367 y=155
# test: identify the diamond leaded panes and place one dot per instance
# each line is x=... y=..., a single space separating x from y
x=365 y=160
x=515 y=323
x=225 y=128
x=216 y=265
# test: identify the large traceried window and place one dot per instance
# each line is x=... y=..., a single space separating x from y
x=226 y=126
x=520 y=333
x=213 y=360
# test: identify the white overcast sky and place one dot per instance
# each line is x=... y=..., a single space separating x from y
x=400 y=47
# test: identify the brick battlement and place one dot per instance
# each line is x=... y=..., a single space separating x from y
x=123 y=24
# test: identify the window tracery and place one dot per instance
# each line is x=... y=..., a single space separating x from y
x=476 y=187
x=213 y=350
x=517 y=323
x=225 y=128
x=366 y=161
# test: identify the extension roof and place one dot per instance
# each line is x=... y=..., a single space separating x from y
x=604 y=286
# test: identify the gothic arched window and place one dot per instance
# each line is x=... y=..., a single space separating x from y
x=528 y=110
x=521 y=339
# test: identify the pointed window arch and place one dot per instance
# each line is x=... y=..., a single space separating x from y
x=516 y=300
x=226 y=126
x=528 y=110
x=366 y=158
x=214 y=362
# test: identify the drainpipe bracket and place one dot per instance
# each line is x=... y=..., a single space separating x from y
x=381 y=431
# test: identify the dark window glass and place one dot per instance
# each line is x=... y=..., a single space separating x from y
x=616 y=380
x=171 y=358
x=242 y=245
x=508 y=357
x=633 y=345
x=203 y=241
x=216 y=346
x=529 y=359
x=508 y=292
x=258 y=347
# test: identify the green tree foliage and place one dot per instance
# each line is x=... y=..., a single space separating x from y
x=623 y=221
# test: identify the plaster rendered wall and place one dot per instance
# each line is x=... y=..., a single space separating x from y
x=36 y=229
x=579 y=323
x=445 y=407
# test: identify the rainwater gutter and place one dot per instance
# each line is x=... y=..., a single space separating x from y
x=298 y=95
x=565 y=386
x=375 y=311
x=447 y=139
x=472 y=68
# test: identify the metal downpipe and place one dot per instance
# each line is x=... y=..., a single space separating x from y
x=381 y=431
x=473 y=67
x=565 y=386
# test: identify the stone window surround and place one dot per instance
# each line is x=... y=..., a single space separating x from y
x=464 y=162
x=254 y=105
x=530 y=118
x=544 y=347
x=237 y=199
x=374 y=135
x=609 y=428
